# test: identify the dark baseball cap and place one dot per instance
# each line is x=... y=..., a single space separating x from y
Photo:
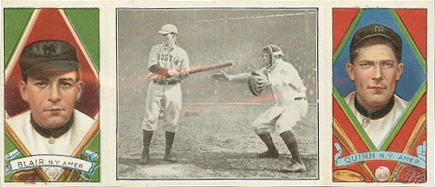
x=375 y=30
x=48 y=55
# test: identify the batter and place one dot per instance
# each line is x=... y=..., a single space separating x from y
x=164 y=97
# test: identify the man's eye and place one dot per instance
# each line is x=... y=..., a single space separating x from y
x=388 y=65
x=40 y=84
x=65 y=84
x=364 y=65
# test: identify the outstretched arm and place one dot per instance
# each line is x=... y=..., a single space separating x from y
x=241 y=77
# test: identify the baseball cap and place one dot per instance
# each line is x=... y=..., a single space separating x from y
x=168 y=28
x=273 y=49
x=375 y=30
x=48 y=55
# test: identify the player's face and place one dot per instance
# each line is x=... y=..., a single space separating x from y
x=51 y=96
x=375 y=72
x=168 y=39
x=265 y=58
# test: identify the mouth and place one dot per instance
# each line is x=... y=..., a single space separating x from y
x=377 y=88
x=53 y=110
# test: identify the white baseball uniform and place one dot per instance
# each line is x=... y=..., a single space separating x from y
x=65 y=144
x=164 y=96
x=289 y=93
x=379 y=123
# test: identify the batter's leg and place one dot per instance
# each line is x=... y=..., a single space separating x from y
x=147 y=135
x=290 y=141
x=169 y=140
x=271 y=152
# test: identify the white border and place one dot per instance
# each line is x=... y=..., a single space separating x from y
x=108 y=83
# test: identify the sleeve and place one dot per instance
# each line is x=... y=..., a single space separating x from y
x=157 y=69
x=152 y=59
x=293 y=79
x=185 y=64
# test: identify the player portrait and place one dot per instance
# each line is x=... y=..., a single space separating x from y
x=51 y=95
x=379 y=95
x=185 y=110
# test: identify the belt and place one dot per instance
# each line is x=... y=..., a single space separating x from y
x=300 y=98
x=166 y=82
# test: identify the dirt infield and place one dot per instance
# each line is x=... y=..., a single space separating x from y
x=213 y=142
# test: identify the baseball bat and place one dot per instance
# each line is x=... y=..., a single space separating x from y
x=92 y=132
x=412 y=142
x=208 y=68
x=14 y=138
x=197 y=69
x=345 y=140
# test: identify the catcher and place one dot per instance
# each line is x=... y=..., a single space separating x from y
x=291 y=103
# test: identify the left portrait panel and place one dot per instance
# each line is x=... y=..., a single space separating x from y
x=51 y=62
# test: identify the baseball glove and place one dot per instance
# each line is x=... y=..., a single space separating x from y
x=257 y=83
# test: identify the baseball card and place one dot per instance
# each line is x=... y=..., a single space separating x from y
x=51 y=95
x=217 y=93
x=380 y=95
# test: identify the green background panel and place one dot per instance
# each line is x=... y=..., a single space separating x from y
x=15 y=22
x=86 y=24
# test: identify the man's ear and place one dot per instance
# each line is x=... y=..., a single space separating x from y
x=350 y=68
x=23 y=90
x=399 y=70
x=79 y=87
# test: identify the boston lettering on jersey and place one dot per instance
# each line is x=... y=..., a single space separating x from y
x=168 y=58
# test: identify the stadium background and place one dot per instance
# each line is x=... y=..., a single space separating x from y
x=213 y=111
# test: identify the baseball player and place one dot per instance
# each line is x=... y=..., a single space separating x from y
x=171 y=63
x=291 y=103
x=375 y=67
x=51 y=85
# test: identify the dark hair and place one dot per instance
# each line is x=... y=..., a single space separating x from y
x=25 y=76
x=375 y=41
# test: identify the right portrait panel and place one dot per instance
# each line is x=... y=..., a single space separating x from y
x=379 y=95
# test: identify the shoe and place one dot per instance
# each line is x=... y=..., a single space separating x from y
x=170 y=157
x=269 y=154
x=144 y=159
x=296 y=167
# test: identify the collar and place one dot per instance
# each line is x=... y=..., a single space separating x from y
x=376 y=114
x=170 y=48
x=274 y=64
x=55 y=133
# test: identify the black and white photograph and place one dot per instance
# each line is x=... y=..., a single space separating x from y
x=217 y=94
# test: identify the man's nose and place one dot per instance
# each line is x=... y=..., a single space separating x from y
x=54 y=94
x=378 y=74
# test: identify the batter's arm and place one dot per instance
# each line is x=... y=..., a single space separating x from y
x=157 y=69
x=241 y=77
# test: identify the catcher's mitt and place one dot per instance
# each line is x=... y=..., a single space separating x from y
x=257 y=83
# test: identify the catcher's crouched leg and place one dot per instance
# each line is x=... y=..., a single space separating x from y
x=262 y=127
x=271 y=152
x=290 y=141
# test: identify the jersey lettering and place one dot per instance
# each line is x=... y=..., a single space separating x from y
x=163 y=58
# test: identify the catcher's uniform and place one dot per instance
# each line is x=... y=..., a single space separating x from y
x=65 y=144
x=164 y=95
x=289 y=93
x=378 y=123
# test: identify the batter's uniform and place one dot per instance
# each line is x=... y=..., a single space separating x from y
x=379 y=123
x=289 y=93
x=164 y=94
x=64 y=144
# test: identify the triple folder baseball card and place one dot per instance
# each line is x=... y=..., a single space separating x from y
x=217 y=93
